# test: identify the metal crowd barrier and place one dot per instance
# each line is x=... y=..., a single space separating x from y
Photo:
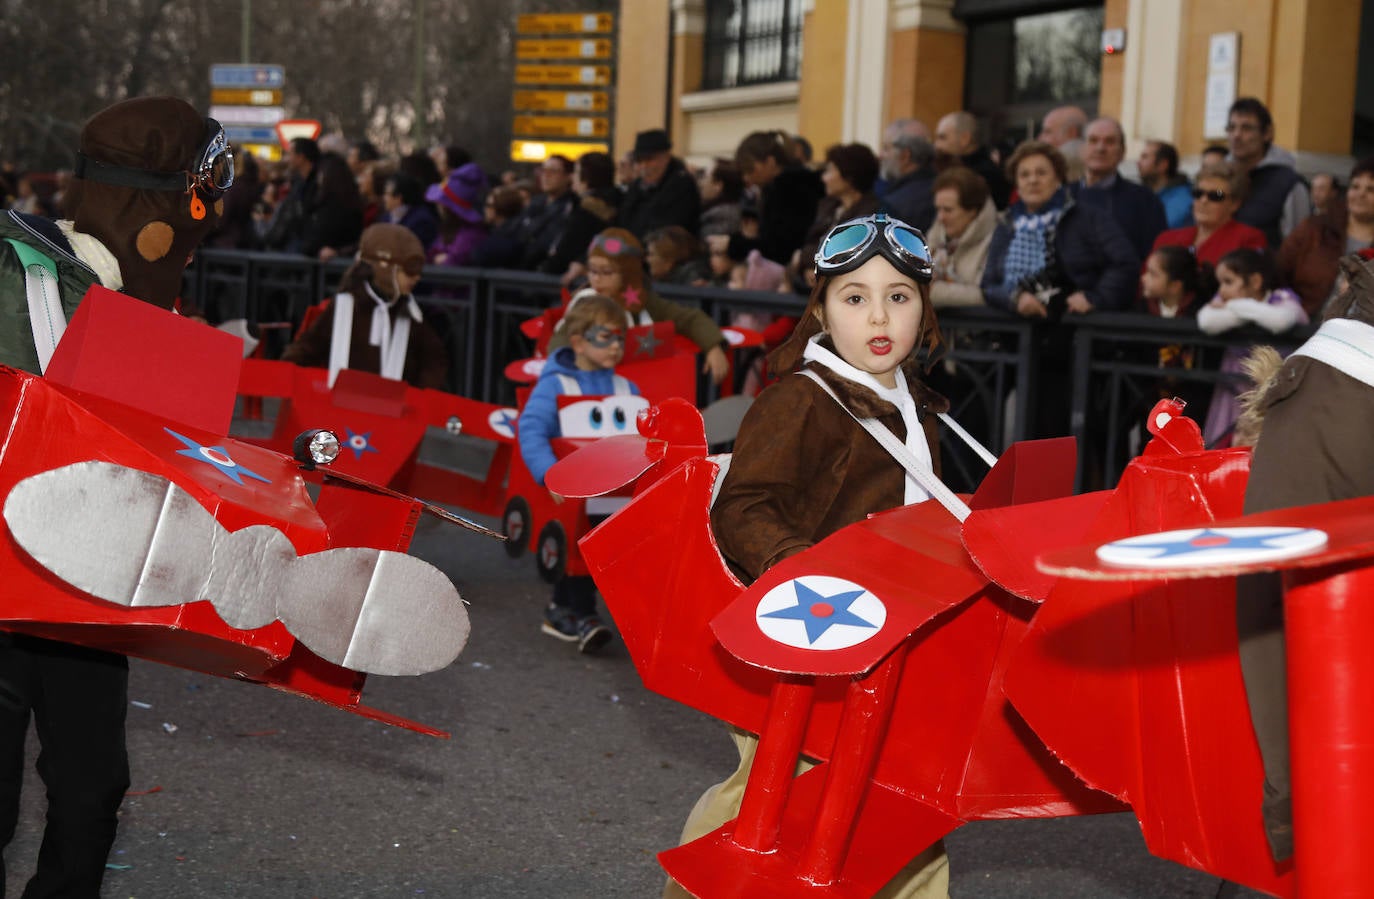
x=990 y=369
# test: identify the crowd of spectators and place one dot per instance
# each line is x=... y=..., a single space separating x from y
x=1049 y=229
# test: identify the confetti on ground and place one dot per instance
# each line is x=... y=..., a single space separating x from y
x=114 y=867
x=140 y=705
x=169 y=727
x=147 y=792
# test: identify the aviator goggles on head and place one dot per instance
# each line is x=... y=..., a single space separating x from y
x=851 y=244
x=211 y=172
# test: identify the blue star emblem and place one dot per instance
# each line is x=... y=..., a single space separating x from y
x=1208 y=539
x=502 y=421
x=360 y=443
x=216 y=456
x=819 y=613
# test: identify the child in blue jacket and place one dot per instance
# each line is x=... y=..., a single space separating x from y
x=595 y=326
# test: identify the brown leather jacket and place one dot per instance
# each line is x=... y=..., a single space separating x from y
x=803 y=468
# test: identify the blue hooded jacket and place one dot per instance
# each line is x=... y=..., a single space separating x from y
x=538 y=423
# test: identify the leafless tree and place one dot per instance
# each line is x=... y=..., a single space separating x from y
x=356 y=65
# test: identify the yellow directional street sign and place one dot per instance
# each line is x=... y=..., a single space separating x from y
x=235 y=96
x=539 y=150
x=565 y=23
x=569 y=48
x=562 y=101
x=561 y=126
x=590 y=76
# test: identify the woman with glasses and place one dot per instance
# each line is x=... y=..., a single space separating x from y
x=1218 y=191
x=1307 y=259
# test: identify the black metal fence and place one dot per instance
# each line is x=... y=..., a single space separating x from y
x=996 y=370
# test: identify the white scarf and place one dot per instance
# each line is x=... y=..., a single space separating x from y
x=899 y=396
x=1344 y=344
x=392 y=341
x=94 y=254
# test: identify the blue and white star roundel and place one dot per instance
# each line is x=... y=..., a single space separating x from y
x=1211 y=546
x=216 y=456
x=502 y=421
x=820 y=612
x=360 y=443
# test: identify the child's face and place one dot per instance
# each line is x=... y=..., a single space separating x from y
x=1154 y=283
x=599 y=347
x=720 y=258
x=739 y=275
x=874 y=317
x=604 y=277
x=1231 y=286
x=660 y=263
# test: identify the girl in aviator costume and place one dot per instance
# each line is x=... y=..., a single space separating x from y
x=803 y=467
x=374 y=323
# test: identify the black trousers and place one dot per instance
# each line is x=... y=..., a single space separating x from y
x=77 y=698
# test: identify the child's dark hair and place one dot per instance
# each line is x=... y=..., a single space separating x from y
x=1247 y=262
x=1180 y=265
x=591 y=309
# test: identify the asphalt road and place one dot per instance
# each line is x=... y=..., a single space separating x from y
x=562 y=779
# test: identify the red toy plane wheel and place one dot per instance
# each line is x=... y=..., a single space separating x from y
x=515 y=524
x=551 y=554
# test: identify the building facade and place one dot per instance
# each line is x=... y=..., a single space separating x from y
x=710 y=71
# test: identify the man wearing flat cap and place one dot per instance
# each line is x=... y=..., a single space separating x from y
x=663 y=192
x=149 y=182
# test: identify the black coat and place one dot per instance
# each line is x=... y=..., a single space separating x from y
x=674 y=200
x=911 y=199
x=788 y=207
x=1134 y=207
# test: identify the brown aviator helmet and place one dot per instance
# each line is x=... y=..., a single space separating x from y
x=150 y=177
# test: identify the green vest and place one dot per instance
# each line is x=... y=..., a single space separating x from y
x=16 y=337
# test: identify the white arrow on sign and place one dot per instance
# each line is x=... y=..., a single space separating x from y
x=247 y=115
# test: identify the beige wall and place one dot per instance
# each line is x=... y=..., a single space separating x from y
x=641 y=80
x=1298 y=56
x=925 y=74
x=820 y=110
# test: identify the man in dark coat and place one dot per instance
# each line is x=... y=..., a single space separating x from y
x=1278 y=199
x=663 y=193
x=1134 y=207
x=908 y=167
x=956 y=139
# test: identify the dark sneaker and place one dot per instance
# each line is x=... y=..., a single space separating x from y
x=592 y=634
x=562 y=624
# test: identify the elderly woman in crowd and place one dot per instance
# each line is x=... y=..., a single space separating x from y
x=1218 y=191
x=1051 y=257
x=965 y=218
x=1307 y=259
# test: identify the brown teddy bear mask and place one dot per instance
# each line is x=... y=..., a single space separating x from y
x=136 y=189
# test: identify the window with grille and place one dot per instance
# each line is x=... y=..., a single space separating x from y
x=751 y=42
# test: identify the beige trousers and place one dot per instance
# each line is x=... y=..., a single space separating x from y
x=925 y=877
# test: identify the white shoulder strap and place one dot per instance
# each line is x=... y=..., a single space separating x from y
x=47 y=320
x=888 y=440
x=622 y=385
x=569 y=385
x=341 y=338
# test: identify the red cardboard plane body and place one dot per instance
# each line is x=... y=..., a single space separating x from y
x=937 y=674
x=133 y=390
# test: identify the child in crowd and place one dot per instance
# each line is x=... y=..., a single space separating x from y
x=760 y=273
x=595 y=326
x=674 y=256
x=1245 y=295
x=1168 y=289
x=373 y=323
x=803 y=468
x=615 y=268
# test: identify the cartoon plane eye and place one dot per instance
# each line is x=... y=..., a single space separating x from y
x=618 y=418
x=596 y=418
x=600 y=417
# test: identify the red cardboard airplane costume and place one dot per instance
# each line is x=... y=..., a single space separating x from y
x=940 y=675
x=135 y=525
